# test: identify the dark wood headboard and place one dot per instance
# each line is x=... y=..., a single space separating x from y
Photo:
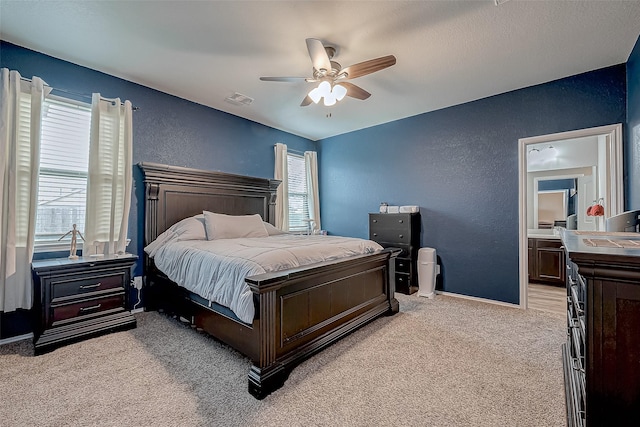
x=173 y=193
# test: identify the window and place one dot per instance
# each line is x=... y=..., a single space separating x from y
x=64 y=163
x=298 y=196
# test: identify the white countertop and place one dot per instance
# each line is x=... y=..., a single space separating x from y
x=543 y=233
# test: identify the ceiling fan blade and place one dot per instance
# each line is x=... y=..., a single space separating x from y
x=283 y=79
x=368 y=67
x=318 y=55
x=306 y=101
x=355 y=91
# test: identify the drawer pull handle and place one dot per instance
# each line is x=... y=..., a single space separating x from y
x=400 y=236
x=400 y=221
x=93 y=307
x=91 y=286
x=375 y=220
x=375 y=234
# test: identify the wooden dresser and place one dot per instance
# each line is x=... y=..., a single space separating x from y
x=399 y=230
x=77 y=299
x=601 y=357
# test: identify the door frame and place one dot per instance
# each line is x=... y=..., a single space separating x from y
x=614 y=179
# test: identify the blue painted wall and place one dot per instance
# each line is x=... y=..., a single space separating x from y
x=166 y=129
x=460 y=165
x=632 y=146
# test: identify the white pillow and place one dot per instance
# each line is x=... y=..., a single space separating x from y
x=272 y=230
x=191 y=228
x=220 y=226
x=163 y=238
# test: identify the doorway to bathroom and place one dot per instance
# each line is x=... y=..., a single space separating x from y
x=578 y=168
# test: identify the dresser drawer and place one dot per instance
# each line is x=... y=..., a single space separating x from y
x=403 y=265
x=386 y=235
x=404 y=281
x=82 y=284
x=85 y=308
x=386 y=221
x=549 y=243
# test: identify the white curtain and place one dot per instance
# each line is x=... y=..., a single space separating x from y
x=110 y=176
x=20 y=120
x=313 y=191
x=282 y=195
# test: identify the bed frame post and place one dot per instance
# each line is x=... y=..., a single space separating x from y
x=394 y=305
x=272 y=202
x=267 y=376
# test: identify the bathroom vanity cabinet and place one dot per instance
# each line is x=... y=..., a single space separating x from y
x=546 y=260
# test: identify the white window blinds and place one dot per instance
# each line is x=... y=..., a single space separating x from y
x=298 y=195
x=64 y=162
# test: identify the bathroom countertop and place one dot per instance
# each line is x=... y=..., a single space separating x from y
x=543 y=234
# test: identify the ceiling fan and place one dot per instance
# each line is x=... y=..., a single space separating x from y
x=333 y=78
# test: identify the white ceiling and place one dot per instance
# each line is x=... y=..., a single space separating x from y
x=448 y=52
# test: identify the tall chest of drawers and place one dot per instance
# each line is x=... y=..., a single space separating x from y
x=601 y=357
x=77 y=299
x=401 y=230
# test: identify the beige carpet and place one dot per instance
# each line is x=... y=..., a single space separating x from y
x=441 y=362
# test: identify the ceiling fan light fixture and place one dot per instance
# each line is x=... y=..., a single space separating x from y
x=325 y=88
x=329 y=74
x=329 y=100
x=315 y=95
x=339 y=92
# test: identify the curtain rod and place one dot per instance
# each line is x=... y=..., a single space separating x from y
x=300 y=153
x=83 y=95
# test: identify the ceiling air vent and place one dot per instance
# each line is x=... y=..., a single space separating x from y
x=239 y=99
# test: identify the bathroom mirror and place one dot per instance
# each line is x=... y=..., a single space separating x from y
x=553 y=208
x=562 y=200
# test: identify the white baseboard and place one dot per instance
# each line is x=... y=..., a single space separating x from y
x=488 y=301
x=16 y=338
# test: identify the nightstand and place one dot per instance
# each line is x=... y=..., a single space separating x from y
x=81 y=298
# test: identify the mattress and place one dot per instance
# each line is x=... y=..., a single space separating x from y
x=216 y=269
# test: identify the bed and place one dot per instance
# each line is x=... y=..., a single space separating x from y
x=298 y=311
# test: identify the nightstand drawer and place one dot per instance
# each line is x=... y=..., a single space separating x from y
x=81 y=284
x=85 y=308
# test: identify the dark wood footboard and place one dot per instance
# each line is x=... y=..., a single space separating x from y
x=298 y=312
x=305 y=310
